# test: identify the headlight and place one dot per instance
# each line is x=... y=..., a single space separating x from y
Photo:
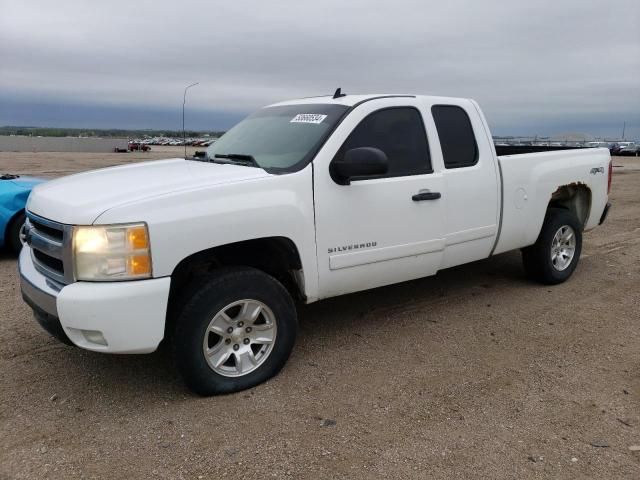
x=112 y=252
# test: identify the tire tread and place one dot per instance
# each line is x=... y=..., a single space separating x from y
x=536 y=258
x=212 y=292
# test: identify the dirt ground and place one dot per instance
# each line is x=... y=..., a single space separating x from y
x=474 y=373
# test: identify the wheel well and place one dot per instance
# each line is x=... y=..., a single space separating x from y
x=276 y=256
x=576 y=198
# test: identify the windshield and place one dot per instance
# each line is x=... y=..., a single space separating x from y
x=279 y=139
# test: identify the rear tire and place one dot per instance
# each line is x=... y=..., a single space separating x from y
x=235 y=331
x=555 y=255
x=13 y=233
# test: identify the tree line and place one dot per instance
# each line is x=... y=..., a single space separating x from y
x=101 y=132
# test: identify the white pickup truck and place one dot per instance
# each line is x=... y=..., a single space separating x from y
x=301 y=201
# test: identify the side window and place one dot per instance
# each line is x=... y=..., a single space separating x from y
x=399 y=132
x=458 y=143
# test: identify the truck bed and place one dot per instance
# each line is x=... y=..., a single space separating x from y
x=521 y=149
x=529 y=181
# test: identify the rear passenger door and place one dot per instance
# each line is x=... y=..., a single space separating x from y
x=377 y=231
x=471 y=180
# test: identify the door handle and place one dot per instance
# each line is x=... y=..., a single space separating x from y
x=420 y=196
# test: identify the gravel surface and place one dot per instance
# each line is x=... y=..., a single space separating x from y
x=474 y=373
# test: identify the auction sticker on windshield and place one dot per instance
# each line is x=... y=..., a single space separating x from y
x=308 y=118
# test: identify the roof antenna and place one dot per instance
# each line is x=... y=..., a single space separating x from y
x=339 y=93
x=184 y=100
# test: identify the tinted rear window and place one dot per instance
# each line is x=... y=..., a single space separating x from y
x=458 y=143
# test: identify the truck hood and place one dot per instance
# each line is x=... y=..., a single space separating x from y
x=80 y=199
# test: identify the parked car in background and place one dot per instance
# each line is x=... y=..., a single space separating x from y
x=631 y=149
x=613 y=147
x=617 y=147
x=14 y=191
x=137 y=146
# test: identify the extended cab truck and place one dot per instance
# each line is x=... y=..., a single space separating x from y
x=303 y=200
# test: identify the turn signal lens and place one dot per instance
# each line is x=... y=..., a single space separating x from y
x=138 y=238
x=139 y=265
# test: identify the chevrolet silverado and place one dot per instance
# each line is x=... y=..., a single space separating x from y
x=301 y=201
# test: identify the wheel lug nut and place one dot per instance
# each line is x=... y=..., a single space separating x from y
x=248 y=329
x=246 y=341
x=236 y=346
x=230 y=330
x=227 y=341
x=240 y=324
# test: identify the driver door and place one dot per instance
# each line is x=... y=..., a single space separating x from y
x=382 y=229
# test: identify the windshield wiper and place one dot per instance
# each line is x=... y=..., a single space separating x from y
x=238 y=158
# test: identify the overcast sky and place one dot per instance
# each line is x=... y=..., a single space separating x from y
x=536 y=67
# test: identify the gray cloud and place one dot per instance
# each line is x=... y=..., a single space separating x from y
x=531 y=65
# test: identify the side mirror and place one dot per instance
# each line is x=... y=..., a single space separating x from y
x=359 y=162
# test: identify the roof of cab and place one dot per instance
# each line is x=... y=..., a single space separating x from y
x=351 y=100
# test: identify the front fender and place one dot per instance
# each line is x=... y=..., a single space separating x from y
x=184 y=223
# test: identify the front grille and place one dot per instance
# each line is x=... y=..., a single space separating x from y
x=47 y=230
x=50 y=244
x=52 y=263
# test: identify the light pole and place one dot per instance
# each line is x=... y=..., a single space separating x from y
x=184 y=100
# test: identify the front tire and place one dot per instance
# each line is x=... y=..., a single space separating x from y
x=235 y=331
x=555 y=255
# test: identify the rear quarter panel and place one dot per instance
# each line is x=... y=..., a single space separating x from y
x=529 y=180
